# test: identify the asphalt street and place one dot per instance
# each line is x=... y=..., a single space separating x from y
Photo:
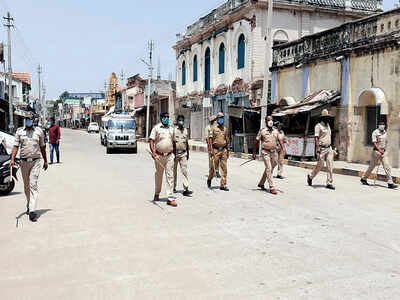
x=100 y=236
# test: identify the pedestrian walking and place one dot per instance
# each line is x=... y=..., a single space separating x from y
x=380 y=156
x=30 y=140
x=181 y=146
x=269 y=139
x=162 y=148
x=325 y=153
x=54 y=140
x=281 y=151
x=211 y=166
x=218 y=148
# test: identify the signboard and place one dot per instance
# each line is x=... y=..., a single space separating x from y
x=296 y=144
x=72 y=101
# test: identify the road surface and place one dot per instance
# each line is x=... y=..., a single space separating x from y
x=101 y=237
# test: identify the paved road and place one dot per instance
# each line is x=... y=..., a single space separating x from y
x=101 y=237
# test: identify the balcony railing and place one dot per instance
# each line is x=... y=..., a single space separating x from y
x=349 y=35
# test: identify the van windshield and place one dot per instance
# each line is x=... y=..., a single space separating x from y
x=124 y=124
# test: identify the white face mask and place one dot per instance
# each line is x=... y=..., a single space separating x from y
x=381 y=127
x=270 y=123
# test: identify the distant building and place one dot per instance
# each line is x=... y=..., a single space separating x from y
x=221 y=57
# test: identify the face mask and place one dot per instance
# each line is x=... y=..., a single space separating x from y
x=381 y=127
x=28 y=123
x=49 y=124
x=221 y=121
x=165 y=121
x=181 y=123
x=270 y=123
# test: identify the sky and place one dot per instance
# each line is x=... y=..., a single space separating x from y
x=79 y=43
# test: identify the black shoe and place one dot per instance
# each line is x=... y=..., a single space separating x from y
x=50 y=163
x=187 y=193
x=209 y=183
x=32 y=217
x=392 y=186
x=330 y=186
x=27 y=212
x=279 y=177
x=175 y=191
x=364 y=181
x=217 y=175
x=224 y=188
x=309 y=180
x=261 y=186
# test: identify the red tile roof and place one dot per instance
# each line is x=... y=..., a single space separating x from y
x=25 y=77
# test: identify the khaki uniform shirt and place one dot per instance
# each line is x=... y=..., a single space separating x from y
x=207 y=131
x=29 y=142
x=323 y=132
x=162 y=137
x=181 y=138
x=219 y=136
x=380 y=138
x=269 y=139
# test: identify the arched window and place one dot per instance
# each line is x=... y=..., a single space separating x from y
x=221 y=68
x=241 y=52
x=207 y=70
x=195 y=68
x=183 y=73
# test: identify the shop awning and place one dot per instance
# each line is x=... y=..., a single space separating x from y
x=22 y=113
x=310 y=103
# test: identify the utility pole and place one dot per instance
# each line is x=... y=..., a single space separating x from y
x=44 y=103
x=9 y=24
x=39 y=70
x=150 y=65
x=268 y=48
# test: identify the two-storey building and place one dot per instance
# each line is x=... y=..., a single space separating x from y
x=221 y=57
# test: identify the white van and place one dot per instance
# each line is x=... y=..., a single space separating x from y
x=121 y=133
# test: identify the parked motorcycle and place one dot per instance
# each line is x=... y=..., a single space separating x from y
x=7 y=180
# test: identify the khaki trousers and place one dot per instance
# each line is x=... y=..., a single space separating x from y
x=181 y=159
x=168 y=163
x=30 y=175
x=220 y=160
x=281 y=159
x=326 y=155
x=270 y=162
x=210 y=163
x=376 y=160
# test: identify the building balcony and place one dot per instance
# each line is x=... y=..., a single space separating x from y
x=371 y=31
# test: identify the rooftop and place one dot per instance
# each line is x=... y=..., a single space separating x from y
x=24 y=77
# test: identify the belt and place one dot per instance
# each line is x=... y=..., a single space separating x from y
x=378 y=150
x=325 y=147
x=180 y=151
x=219 y=148
x=270 y=150
x=30 y=159
x=163 y=154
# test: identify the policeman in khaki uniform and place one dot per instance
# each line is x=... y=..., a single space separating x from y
x=162 y=148
x=210 y=157
x=30 y=140
x=181 y=141
x=323 y=141
x=269 y=137
x=219 y=149
x=379 y=155
x=281 y=154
